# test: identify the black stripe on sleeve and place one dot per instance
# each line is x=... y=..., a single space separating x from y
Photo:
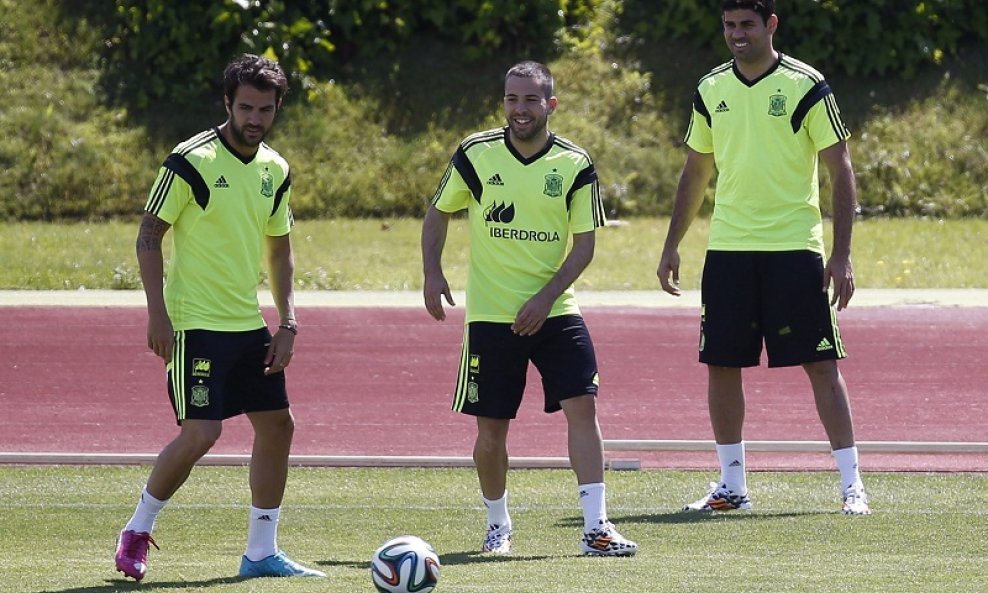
x=840 y=128
x=586 y=176
x=442 y=183
x=280 y=194
x=701 y=108
x=184 y=169
x=159 y=191
x=811 y=98
x=469 y=174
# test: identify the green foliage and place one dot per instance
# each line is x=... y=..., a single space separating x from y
x=945 y=175
x=881 y=37
x=186 y=43
x=375 y=139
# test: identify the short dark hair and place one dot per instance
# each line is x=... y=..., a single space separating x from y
x=257 y=71
x=764 y=8
x=536 y=71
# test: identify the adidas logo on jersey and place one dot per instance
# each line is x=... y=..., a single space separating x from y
x=221 y=182
x=495 y=180
x=824 y=345
x=722 y=107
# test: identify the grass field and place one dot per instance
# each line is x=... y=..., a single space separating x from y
x=58 y=527
x=348 y=254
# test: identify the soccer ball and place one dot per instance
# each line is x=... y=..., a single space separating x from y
x=405 y=564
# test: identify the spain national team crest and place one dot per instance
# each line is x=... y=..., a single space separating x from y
x=777 y=105
x=200 y=396
x=553 y=185
x=473 y=392
x=267 y=184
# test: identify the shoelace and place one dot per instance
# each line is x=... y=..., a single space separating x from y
x=146 y=537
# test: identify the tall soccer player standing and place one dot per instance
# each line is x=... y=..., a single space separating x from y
x=526 y=191
x=764 y=120
x=226 y=193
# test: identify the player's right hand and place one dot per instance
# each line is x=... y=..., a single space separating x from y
x=434 y=289
x=161 y=336
x=669 y=269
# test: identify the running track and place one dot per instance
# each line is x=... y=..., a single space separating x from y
x=376 y=381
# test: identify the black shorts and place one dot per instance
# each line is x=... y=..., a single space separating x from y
x=775 y=296
x=494 y=365
x=216 y=375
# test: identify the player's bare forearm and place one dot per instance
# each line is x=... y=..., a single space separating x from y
x=435 y=287
x=151 y=261
x=837 y=159
x=839 y=270
x=281 y=268
x=533 y=313
x=693 y=182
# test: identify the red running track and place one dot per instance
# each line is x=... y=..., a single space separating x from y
x=377 y=381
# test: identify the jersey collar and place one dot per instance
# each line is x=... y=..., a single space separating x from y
x=243 y=159
x=751 y=83
x=528 y=161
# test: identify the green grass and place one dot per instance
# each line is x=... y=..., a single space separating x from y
x=927 y=533
x=348 y=254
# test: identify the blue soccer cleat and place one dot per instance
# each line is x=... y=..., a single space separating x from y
x=276 y=565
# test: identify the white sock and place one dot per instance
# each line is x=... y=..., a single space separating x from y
x=594 y=505
x=262 y=534
x=847 y=463
x=146 y=513
x=732 y=472
x=497 y=511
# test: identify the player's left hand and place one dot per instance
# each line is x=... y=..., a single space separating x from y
x=532 y=316
x=839 y=270
x=279 y=352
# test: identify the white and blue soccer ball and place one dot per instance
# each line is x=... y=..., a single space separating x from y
x=405 y=564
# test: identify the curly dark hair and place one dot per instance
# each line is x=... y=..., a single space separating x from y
x=257 y=71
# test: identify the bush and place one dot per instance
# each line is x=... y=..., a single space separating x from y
x=900 y=35
x=186 y=43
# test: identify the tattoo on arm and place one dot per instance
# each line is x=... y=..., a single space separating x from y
x=150 y=234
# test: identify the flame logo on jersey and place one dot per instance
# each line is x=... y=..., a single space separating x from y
x=500 y=213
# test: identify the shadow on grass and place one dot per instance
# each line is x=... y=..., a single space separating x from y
x=451 y=559
x=476 y=557
x=116 y=585
x=679 y=517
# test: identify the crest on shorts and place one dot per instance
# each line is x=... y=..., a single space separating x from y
x=777 y=105
x=473 y=392
x=200 y=367
x=474 y=364
x=553 y=185
x=267 y=184
x=200 y=396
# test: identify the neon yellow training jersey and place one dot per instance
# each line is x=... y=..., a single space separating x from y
x=521 y=212
x=220 y=207
x=765 y=135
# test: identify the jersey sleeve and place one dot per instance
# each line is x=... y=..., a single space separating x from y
x=281 y=220
x=699 y=135
x=586 y=208
x=169 y=194
x=453 y=193
x=824 y=122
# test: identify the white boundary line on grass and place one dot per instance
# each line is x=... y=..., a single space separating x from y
x=899 y=447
